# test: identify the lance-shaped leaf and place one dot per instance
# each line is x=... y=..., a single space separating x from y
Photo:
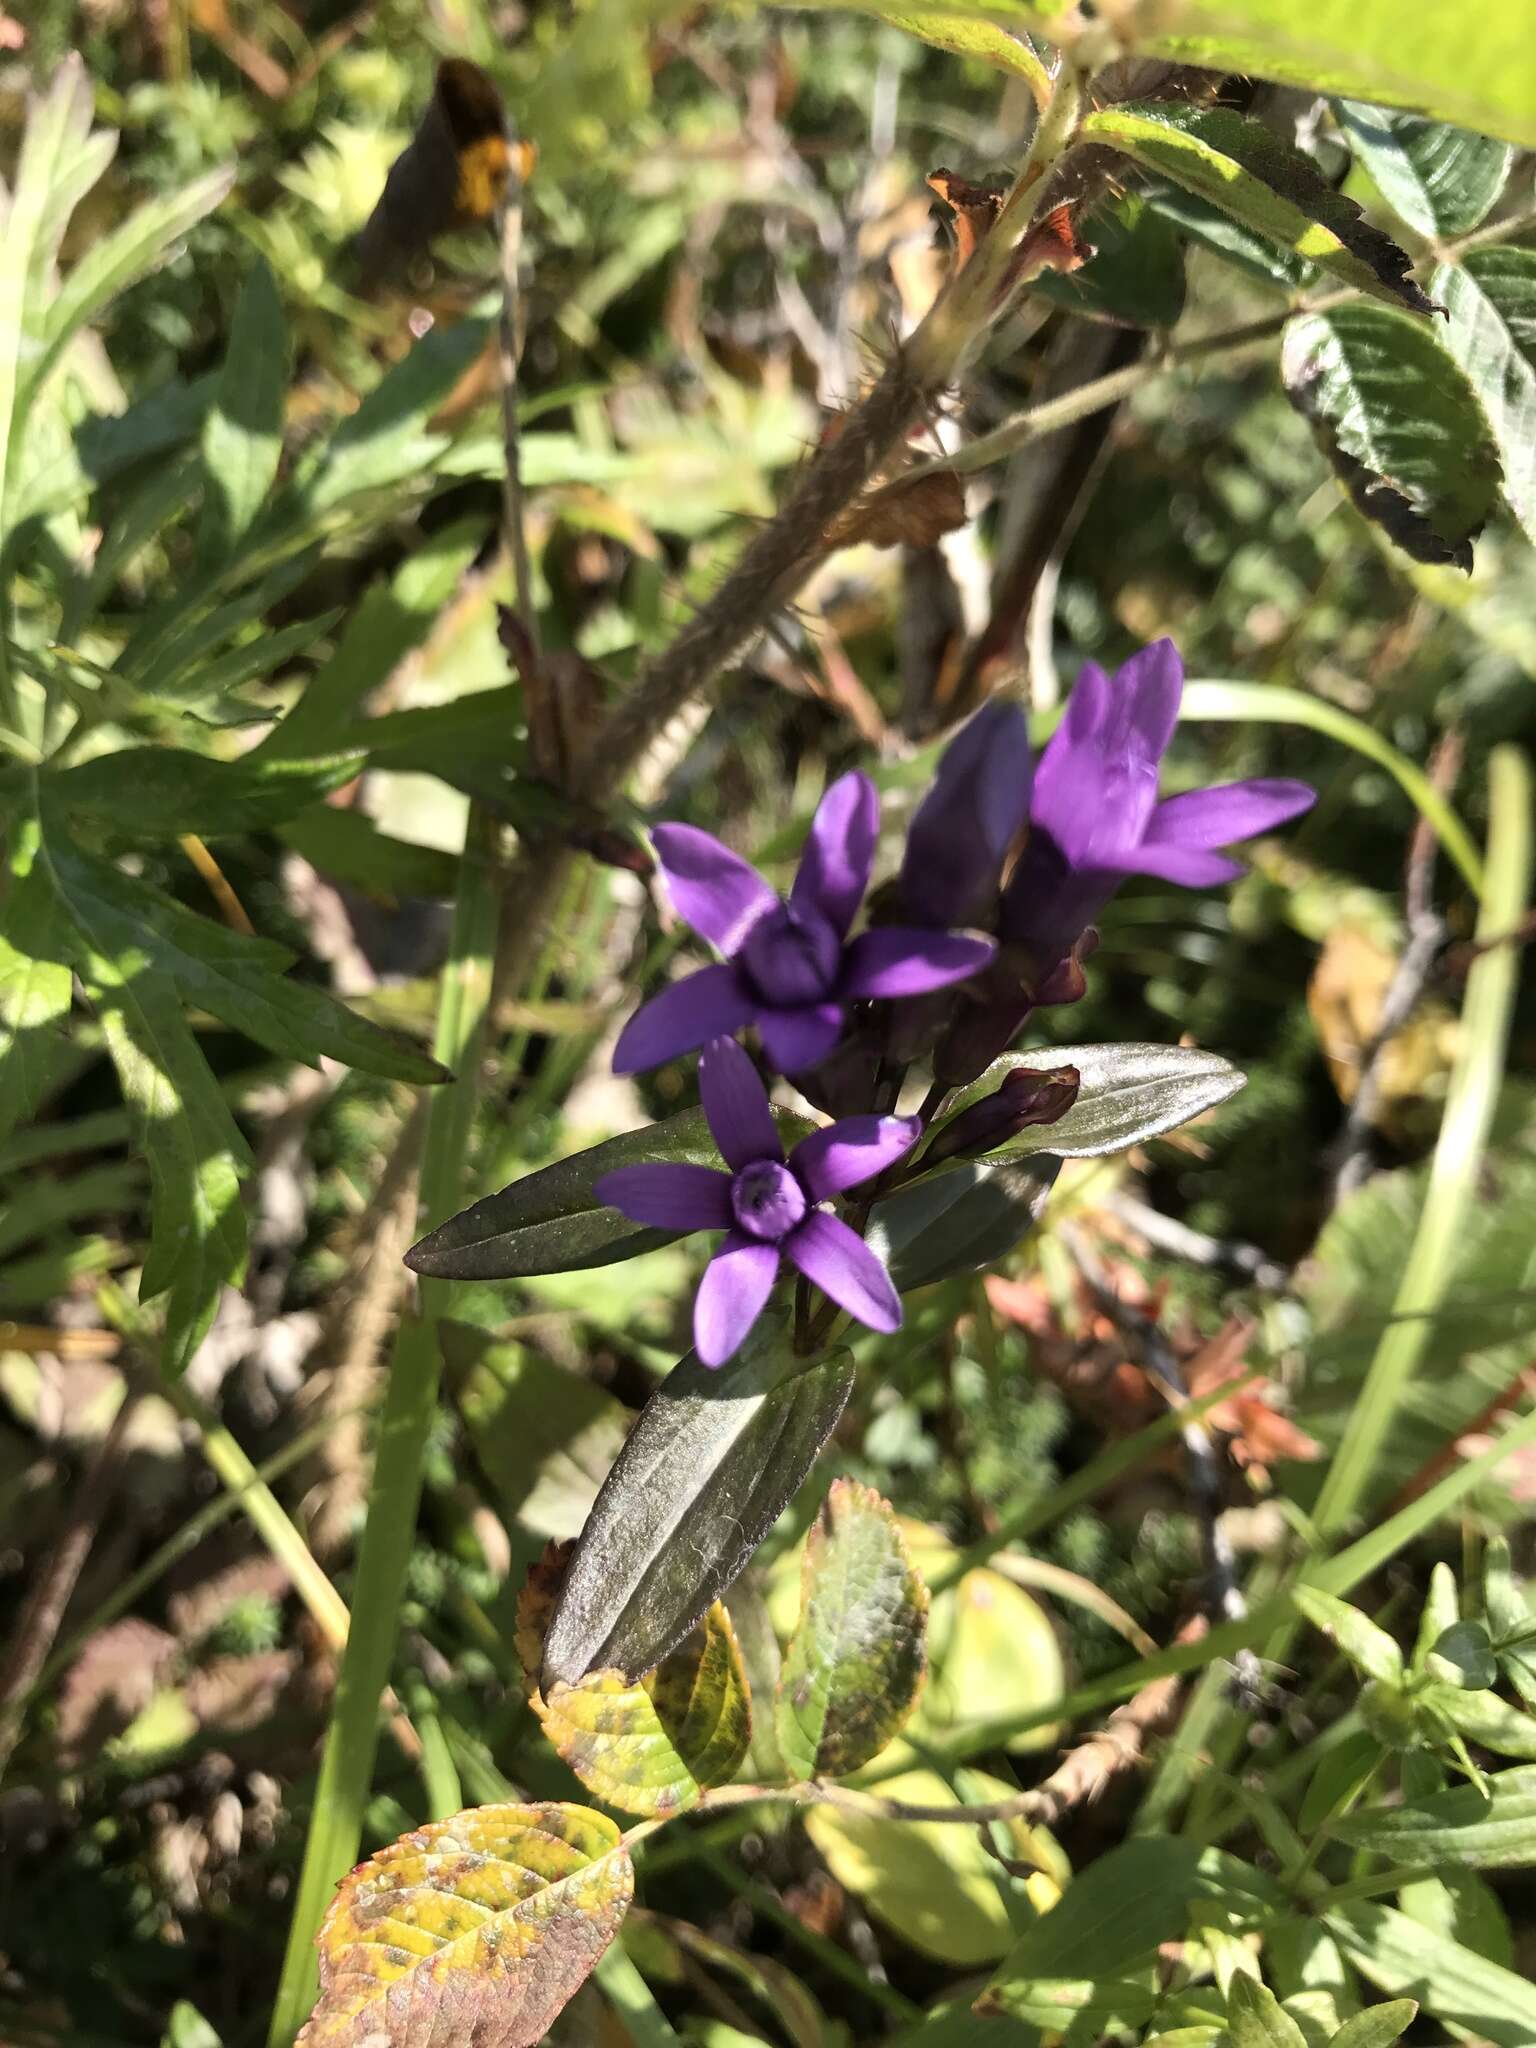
x=1256 y=2018
x=960 y=1218
x=1242 y=167
x=157 y=792
x=480 y=1928
x=1441 y=180
x=856 y=1661
x=1399 y=423
x=650 y=1745
x=1490 y=297
x=709 y=1467
x=1369 y=1648
x=1467 y=1994
x=552 y=1222
x=1126 y=1095
x=243 y=431
x=1462 y=1826
x=1379 y=2026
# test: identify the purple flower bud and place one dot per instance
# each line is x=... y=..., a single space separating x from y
x=1029 y=1095
x=964 y=827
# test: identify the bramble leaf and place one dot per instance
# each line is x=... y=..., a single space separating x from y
x=1490 y=297
x=1441 y=180
x=855 y=1663
x=477 y=1928
x=1135 y=277
x=1400 y=425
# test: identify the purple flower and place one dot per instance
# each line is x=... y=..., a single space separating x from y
x=962 y=830
x=1095 y=817
x=790 y=968
x=767 y=1205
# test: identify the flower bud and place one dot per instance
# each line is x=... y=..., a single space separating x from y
x=1029 y=1095
x=963 y=829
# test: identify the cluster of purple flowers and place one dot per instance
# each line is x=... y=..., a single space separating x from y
x=1007 y=864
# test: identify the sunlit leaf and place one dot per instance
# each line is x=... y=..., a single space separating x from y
x=1456 y=1827
x=1441 y=180
x=243 y=429
x=1369 y=1648
x=1466 y=1993
x=1379 y=2026
x=1126 y=1095
x=158 y=792
x=1490 y=297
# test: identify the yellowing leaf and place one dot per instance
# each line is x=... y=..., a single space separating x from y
x=853 y=1670
x=992 y=1652
x=478 y=1928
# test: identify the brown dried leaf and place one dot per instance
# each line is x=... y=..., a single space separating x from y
x=975 y=208
x=910 y=512
x=476 y=1929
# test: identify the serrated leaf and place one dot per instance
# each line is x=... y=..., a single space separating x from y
x=1135 y=277
x=650 y=1745
x=1399 y=423
x=158 y=792
x=550 y=1221
x=1462 y=1655
x=1490 y=298
x=707 y=1470
x=1458 y=1827
x=243 y=429
x=959 y=1218
x=1379 y=2026
x=237 y=978
x=35 y=984
x=1442 y=181
x=855 y=1663
x=1126 y=1095
x=1369 y=1648
x=1244 y=168
x=480 y=1928
x=1256 y=2018
x=1463 y=1991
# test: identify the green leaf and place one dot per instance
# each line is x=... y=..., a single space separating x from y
x=959 y=1218
x=1135 y=277
x=1463 y=1991
x=855 y=1663
x=477 y=1928
x=1379 y=2026
x=551 y=1221
x=1242 y=167
x=1458 y=1827
x=1369 y=1648
x=993 y=1654
x=705 y=1473
x=234 y=977
x=243 y=429
x=1462 y=1655
x=1486 y=1719
x=1503 y=1603
x=1441 y=1610
x=650 y=1745
x=1399 y=424
x=1441 y=180
x=1458 y=1905
x=1228 y=239
x=1256 y=2018
x=1341 y=1772
x=1126 y=1095
x=1490 y=297
x=964 y=33
x=35 y=984
x=388 y=439
x=347 y=846
x=157 y=793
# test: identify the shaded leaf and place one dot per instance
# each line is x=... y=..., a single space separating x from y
x=1243 y=247
x=388 y=439
x=1490 y=297
x=1457 y=1827
x=477 y=1928
x=855 y=1663
x=348 y=846
x=1441 y=180
x=243 y=428
x=550 y=1221
x=1126 y=1094
x=649 y=1745
x=1464 y=1991
x=157 y=792
x=1462 y=1655
x=1242 y=167
x=1135 y=274
x=708 y=1468
x=960 y=1218
x=1398 y=422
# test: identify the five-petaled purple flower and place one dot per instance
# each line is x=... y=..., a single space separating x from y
x=767 y=1205
x=1095 y=817
x=790 y=968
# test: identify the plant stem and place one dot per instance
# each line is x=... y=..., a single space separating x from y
x=346 y=1765
x=1469 y=1105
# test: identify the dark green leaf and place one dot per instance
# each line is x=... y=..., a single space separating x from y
x=959 y=1218
x=243 y=431
x=1341 y=1772
x=1490 y=297
x=35 y=983
x=1135 y=277
x=855 y=1662
x=552 y=1222
x=1503 y=1602
x=1457 y=1827
x=712 y=1463
x=1240 y=246
x=1126 y=1094
x=158 y=792
x=1442 y=181
x=1398 y=422
x=1256 y=2018
x=1462 y=1655
x=1244 y=168
x=347 y=846
x=165 y=418
x=388 y=439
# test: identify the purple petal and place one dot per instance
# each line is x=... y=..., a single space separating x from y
x=710 y=1004
x=854 y=1149
x=716 y=891
x=901 y=960
x=796 y=1039
x=737 y=1281
x=839 y=1262
x=1192 y=867
x=1070 y=771
x=961 y=831
x=669 y=1197
x=1145 y=709
x=736 y=1105
x=835 y=866
x=1227 y=813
